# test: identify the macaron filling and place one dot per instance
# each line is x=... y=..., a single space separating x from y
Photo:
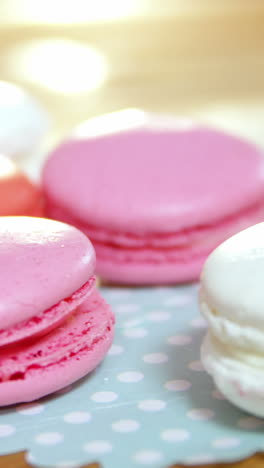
x=238 y=380
x=157 y=248
x=90 y=324
x=47 y=320
x=231 y=331
x=231 y=365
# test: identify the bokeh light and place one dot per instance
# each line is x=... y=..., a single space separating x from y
x=125 y=119
x=63 y=66
x=128 y=119
x=7 y=167
x=68 y=11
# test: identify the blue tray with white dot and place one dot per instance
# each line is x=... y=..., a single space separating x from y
x=149 y=404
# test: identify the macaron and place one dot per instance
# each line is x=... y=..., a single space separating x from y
x=23 y=121
x=231 y=300
x=18 y=195
x=54 y=325
x=155 y=195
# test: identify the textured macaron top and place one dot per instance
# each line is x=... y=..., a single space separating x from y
x=155 y=180
x=18 y=195
x=41 y=263
x=233 y=280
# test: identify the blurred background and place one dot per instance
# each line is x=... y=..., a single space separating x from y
x=82 y=58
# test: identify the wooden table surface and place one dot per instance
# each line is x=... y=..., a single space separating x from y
x=198 y=57
x=18 y=461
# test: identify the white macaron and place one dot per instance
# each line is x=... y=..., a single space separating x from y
x=232 y=301
x=23 y=122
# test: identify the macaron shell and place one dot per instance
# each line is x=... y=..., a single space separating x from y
x=240 y=383
x=232 y=278
x=251 y=403
x=63 y=356
x=144 y=181
x=42 y=262
x=48 y=319
x=149 y=273
x=195 y=237
x=18 y=195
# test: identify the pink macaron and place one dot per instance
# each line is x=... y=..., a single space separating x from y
x=54 y=325
x=154 y=195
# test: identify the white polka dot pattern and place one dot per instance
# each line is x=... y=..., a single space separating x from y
x=178 y=301
x=115 y=350
x=49 y=438
x=198 y=322
x=98 y=447
x=200 y=414
x=149 y=403
x=196 y=366
x=30 y=409
x=135 y=332
x=200 y=459
x=127 y=308
x=179 y=340
x=148 y=457
x=77 y=417
x=130 y=376
x=104 y=397
x=152 y=405
x=7 y=430
x=177 y=385
x=125 y=425
x=155 y=358
x=226 y=443
x=175 y=435
x=159 y=316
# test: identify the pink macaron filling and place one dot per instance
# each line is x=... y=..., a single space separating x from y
x=83 y=332
x=159 y=248
x=48 y=319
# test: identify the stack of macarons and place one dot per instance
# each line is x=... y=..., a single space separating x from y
x=231 y=300
x=54 y=325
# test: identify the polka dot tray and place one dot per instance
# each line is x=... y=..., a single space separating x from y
x=149 y=404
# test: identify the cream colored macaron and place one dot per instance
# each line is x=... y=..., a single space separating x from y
x=232 y=301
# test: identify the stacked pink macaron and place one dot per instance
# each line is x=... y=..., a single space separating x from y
x=54 y=325
x=154 y=199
